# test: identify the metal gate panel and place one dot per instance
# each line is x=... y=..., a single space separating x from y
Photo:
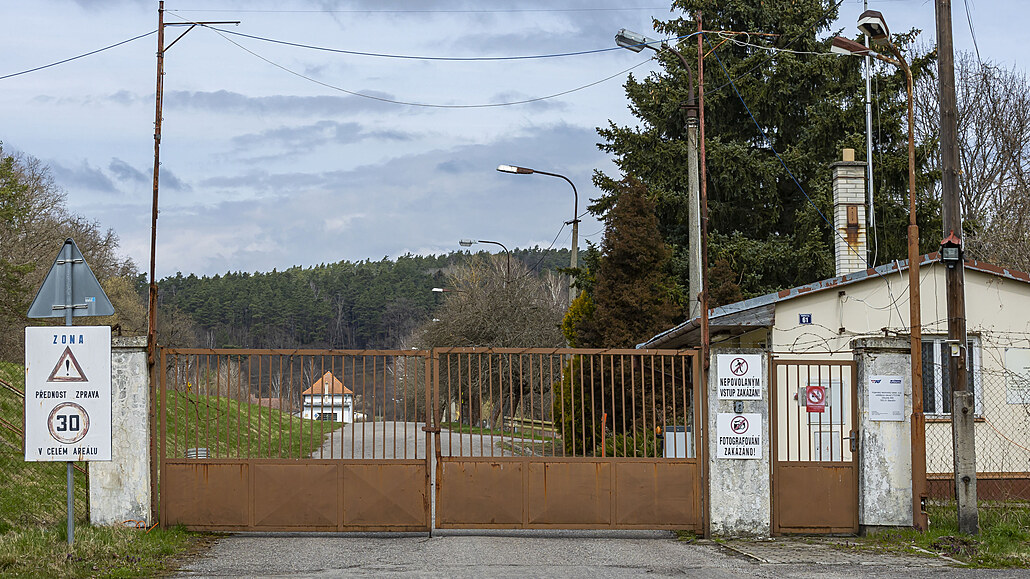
x=815 y=455
x=652 y=493
x=483 y=493
x=251 y=440
x=569 y=494
x=205 y=496
x=385 y=495
x=565 y=438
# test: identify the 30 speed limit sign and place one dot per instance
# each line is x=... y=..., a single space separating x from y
x=68 y=393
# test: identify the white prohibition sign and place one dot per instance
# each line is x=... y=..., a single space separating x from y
x=815 y=395
x=68 y=423
x=738 y=425
x=738 y=366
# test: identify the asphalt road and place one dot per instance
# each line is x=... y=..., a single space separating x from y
x=389 y=439
x=566 y=554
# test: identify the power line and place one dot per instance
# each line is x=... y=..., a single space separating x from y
x=416 y=104
x=92 y=52
x=414 y=57
x=427 y=11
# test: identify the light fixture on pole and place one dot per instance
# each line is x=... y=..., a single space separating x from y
x=636 y=42
x=507 y=254
x=872 y=24
x=515 y=170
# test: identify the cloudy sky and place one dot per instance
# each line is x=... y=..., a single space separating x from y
x=274 y=155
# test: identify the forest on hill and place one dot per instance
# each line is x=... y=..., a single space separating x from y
x=345 y=305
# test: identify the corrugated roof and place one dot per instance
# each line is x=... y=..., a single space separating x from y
x=327 y=384
x=895 y=267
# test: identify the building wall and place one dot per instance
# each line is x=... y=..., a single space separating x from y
x=998 y=316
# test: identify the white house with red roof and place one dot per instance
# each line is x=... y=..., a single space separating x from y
x=328 y=399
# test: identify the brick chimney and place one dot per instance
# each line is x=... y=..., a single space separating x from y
x=849 y=214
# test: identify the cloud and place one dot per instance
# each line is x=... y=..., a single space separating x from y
x=224 y=101
x=297 y=139
x=83 y=176
x=125 y=172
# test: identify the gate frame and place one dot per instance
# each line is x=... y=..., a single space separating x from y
x=248 y=467
x=774 y=432
x=700 y=486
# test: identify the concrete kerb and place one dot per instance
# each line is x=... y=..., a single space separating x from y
x=828 y=551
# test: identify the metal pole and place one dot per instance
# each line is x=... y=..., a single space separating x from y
x=69 y=305
x=575 y=228
x=152 y=302
x=871 y=214
x=963 y=405
x=702 y=179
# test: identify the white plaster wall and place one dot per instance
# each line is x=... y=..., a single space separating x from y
x=119 y=490
x=739 y=490
x=885 y=448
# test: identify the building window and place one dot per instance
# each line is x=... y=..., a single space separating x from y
x=937 y=375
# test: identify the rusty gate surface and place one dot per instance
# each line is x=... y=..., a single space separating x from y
x=814 y=467
x=252 y=440
x=571 y=439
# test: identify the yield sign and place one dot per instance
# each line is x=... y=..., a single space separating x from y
x=67 y=369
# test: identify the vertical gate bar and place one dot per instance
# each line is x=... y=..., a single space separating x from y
x=279 y=393
x=250 y=374
x=774 y=440
x=364 y=367
x=461 y=404
x=258 y=409
x=511 y=398
x=550 y=379
x=213 y=453
x=632 y=398
x=808 y=427
x=532 y=413
x=665 y=411
x=622 y=391
x=522 y=395
x=354 y=405
x=193 y=388
x=385 y=401
x=583 y=408
x=675 y=386
x=404 y=397
x=450 y=405
x=289 y=392
x=572 y=400
x=490 y=381
x=684 y=375
x=797 y=407
x=162 y=389
x=479 y=382
x=320 y=392
x=207 y=402
x=175 y=413
x=332 y=401
x=654 y=407
x=239 y=408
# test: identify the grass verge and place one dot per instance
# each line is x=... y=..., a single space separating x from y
x=1003 y=542
x=466 y=429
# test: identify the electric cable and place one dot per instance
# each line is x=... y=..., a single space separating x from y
x=415 y=104
x=90 y=53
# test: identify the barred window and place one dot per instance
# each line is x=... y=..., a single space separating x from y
x=937 y=375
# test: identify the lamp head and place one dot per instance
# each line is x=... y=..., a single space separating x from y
x=633 y=41
x=872 y=24
x=841 y=45
x=466 y=242
x=514 y=169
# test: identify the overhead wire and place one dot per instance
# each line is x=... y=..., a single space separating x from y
x=425 y=11
x=83 y=55
x=418 y=104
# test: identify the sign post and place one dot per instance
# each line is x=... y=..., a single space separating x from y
x=68 y=372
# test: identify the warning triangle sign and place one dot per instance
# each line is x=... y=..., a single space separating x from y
x=67 y=369
x=88 y=298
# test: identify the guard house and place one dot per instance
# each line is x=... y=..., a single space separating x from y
x=328 y=399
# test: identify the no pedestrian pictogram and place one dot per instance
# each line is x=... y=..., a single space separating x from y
x=738 y=366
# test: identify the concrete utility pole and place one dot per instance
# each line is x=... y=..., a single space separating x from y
x=963 y=405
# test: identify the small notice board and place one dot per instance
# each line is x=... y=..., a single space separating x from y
x=68 y=393
x=740 y=377
x=887 y=398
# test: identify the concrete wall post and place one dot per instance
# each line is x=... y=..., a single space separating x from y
x=884 y=449
x=740 y=502
x=119 y=490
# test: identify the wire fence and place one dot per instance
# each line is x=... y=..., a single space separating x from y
x=999 y=376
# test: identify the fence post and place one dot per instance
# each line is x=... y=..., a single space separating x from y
x=119 y=490
x=885 y=442
x=740 y=492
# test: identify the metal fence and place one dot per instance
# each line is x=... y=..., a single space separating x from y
x=1002 y=419
x=564 y=403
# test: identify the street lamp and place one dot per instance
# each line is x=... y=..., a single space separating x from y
x=507 y=254
x=872 y=24
x=637 y=42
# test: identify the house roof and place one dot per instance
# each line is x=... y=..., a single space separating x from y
x=744 y=316
x=327 y=384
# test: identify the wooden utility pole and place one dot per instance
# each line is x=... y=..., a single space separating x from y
x=963 y=404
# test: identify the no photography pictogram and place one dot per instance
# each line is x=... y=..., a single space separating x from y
x=815 y=395
x=738 y=425
x=738 y=366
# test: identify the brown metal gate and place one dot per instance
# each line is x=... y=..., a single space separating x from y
x=253 y=440
x=814 y=470
x=572 y=439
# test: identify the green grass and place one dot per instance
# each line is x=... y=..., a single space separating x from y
x=232 y=429
x=97 y=552
x=33 y=518
x=1004 y=539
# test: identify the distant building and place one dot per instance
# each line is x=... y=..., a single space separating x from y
x=328 y=399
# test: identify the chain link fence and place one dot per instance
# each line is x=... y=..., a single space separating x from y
x=1000 y=379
